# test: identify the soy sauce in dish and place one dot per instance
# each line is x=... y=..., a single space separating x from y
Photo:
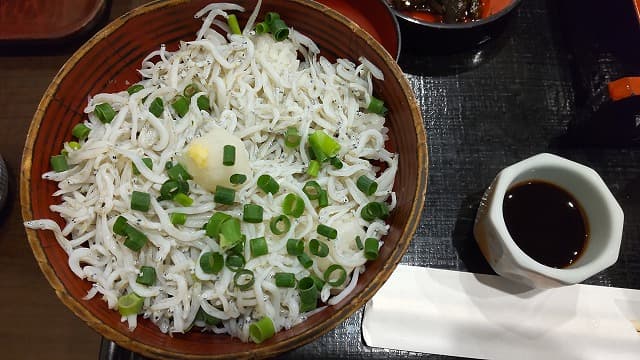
x=546 y=222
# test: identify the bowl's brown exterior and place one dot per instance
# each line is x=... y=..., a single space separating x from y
x=108 y=62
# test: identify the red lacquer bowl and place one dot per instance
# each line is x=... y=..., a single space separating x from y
x=108 y=62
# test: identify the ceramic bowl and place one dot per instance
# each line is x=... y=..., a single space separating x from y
x=108 y=63
x=603 y=214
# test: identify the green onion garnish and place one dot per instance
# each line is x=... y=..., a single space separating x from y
x=331 y=278
x=319 y=282
x=377 y=106
x=81 y=131
x=232 y=21
x=147 y=161
x=285 y=279
x=120 y=226
x=104 y=112
x=180 y=105
x=271 y=16
x=237 y=179
x=252 y=213
x=140 y=201
x=190 y=90
x=135 y=238
x=314 y=168
x=293 y=205
x=279 y=29
x=359 y=243
x=134 y=89
x=183 y=199
x=239 y=248
x=295 y=247
x=156 y=107
x=212 y=228
x=374 y=210
x=262 y=28
x=203 y=103
x=327 y=231
x=178 y=218
x=305 y=260
x=258 y=246
x=178 y=173
x=130 y=304
x=280 y=225
x=229 y=155
x=211 y=262
x=244 y=279
x=268 y=184
x=171 y=188
x=371 y=248
x=229 y=233
x=336 y=163
x=146 y=276
x=323 y=145
x=235 y=262
x=323 y=199
x=308 y=294
x=74 y=145
x=366 y=185
x=291 y=137
x=224 y=195
x=59 y=163
x=261 y=330
x=206 y=318
x=312 y=189
x=318 y=248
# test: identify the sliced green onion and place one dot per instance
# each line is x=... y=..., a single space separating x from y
x=327 y=231
x=232 y=21
x=235 y=262
x=359 y=243
x=331 y=278
x=377 y=106
x=268 y=184
x=229 y=155
x=314 y=168
x=212 y=228
x=374 y=210
x=146 y=276
x=206 y=318
x=140 y=201
x=261 y=330
x=305 y=260
x=318 y=248
x=178 y=173
x=279 y=29
x=280 y=225
x=258 y=246
x=285 y=279
x=224 y=195
x=59 y=163
x=74 y=145
x=104 y=112
x=252 y=213
x=172 y=187
x=156 y=107
x=371 y=248
x=147 y=161
x=203 y=103
x=190 y=90
x=295 y=247
x=323 y=145
x=239 y=248
x=291 y=137
x=312 y=189
x=230 y=234
x=180 y=105
x=130 y=304
x=366 y=185
x=293 y=205
x=135 y=238
x=319 y=282
x=323 y=199
x=168 y=165
x=81 y=131
x=308 y=294
x=244 y=279
x=262 y=28
x=271 y=16
x=120 y=226
x=211 y=262
x=178 y=218
x=237 y=179
x=183 y=199
x=134 y=89
x=336 y=163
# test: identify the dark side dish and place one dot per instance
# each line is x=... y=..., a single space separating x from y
x=446 y=11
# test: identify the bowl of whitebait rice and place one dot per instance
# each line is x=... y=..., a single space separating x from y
x=223 y=180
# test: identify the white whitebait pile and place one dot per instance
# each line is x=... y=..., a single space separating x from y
x=239 y=187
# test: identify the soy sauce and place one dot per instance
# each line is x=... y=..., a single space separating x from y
x=546 y=222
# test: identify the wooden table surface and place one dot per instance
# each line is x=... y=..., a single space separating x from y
x=36 y=324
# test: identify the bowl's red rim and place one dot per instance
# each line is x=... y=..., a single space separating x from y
x=267 y=349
